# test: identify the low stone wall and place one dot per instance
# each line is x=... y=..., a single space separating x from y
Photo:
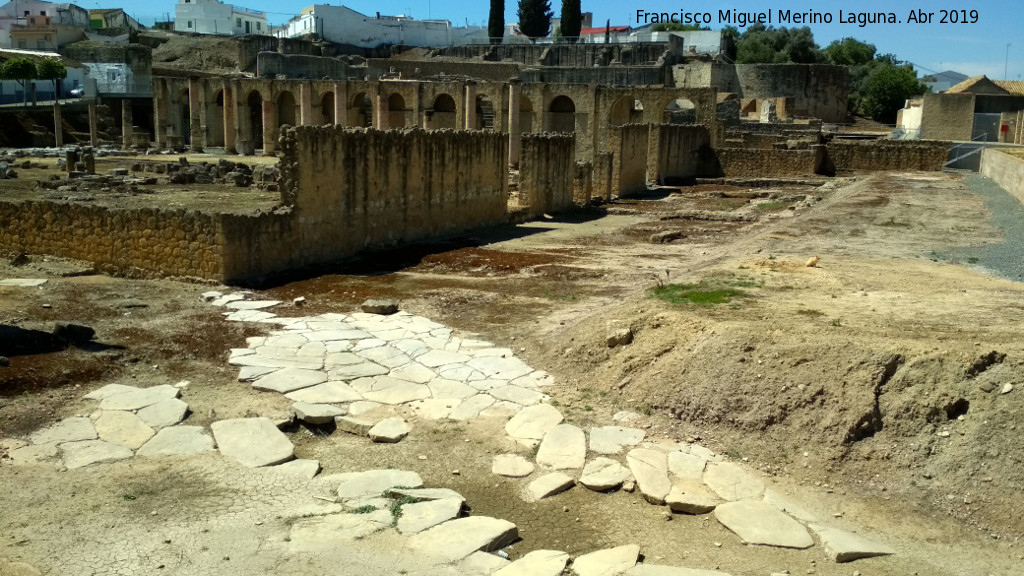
x=1007 y=171
x=679 y=152
x=138 y=242
x=546 y=172
x=629 y=146
x=602 y=181
x=583 y=183
x=886 y=155
x=270 y=64
x=745 y=163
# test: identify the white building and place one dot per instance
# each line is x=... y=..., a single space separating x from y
x=346 y=26
x=215 y=17
x=12 y=92
x=23 y=14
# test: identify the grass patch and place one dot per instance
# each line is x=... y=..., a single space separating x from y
x=365 y=509
x=810 y=312
x=396 y=507
x=771 y=206
x=698 y=294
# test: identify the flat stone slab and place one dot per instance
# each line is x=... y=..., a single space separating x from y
x=732 y=481
x=316 y=413
x=164 y=413
x=250 y=373
x=373 y=483
x=658 y=570
x=123 y=428
x=534 y=422
x=480 y=564
x=563 y=448
x=67 y=430
x=87 y=452
x=254 y=442
x=420 y=516
x=450 y=389
x=511 y=465
x=388 y=390
x=109 y=390
x=757 y=522
x=354 y=425
x=691 y=497
x=427 y=493
x=548 y=485
x=290 y=379
x=612 y=439
x=790 y=507
x=327 y=393
x=389 y=430
x=650 y=468
x=686 y=466
x=299 y=467
x=456 y=539
x=437 y=358
x=472 y=407
x=178 y=440
x=324 y=532
x=413 y=372
x=33 y=454
x=603 y=474
x=433 y=408
x=251 y=304
x=517 y=395
x=138 y=399
x=23 y=282
x=536 y=563
x=843 y=546
x=607 y=562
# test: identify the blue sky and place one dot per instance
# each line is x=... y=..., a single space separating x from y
x=973 y=49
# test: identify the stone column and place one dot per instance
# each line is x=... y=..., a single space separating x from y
x=380 y=112
x=94 y=138
x=470 y=106
x=126 y=123
x=58 y=125
x=159 y=113
x=229 y=116
x=195 y=113
x=269 y=128
x=341 y=103
x=305 y=104
x=514 y=137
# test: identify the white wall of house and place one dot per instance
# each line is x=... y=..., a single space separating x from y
x=346 y=26
x=11 y=91
x=14 y=12
x=910 y=119
x=215 y=17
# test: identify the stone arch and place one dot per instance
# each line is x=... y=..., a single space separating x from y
x=252 y=138
x=286 y=109
x=562 y=115
x=680 y=110
x=360 y=111
x=215 y=120
x=626 y=109
x=485 y=113
x=396 y=111
x=443 y=112
x=327 y=108
x=526 y=114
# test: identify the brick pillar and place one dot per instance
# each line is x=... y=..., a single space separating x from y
x=195 y=113
x=269 y=128
x=305 y=104
x=514 y=137
x=341 y=103
x=126 y=123
x=58 y=125
x=230 y=110
x=470 y=107
x=94 y=138
x=380 y=112
x=160 y=113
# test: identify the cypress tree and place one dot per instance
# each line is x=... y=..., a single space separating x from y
x=496 y=21
x=572 y=20
x=535 y=18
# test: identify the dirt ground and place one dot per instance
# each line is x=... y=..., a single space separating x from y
x=870 y=386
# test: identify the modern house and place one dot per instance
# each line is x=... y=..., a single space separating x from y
x=112 y=19
x=12 y=92
x=215 y=17
x=39 y=25
x=346 y=26
x=976 y=109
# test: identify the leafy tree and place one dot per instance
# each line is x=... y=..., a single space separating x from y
x=889 y=88
x=20 y=70
x=769 y=45
x=849 y=52
x=535 y=18
x=496 y=21
x=572 y=20
x=51 y=70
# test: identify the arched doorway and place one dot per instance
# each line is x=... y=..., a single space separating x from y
x=680 y=111
x=184 y=120
x=254 y=113
x=625 y=110
x=562 y=115
x=360 y=111
x=396 y=111
x=442 y=112
x=327 y=108
x=286 y=109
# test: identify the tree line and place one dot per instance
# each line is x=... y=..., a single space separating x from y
x=23 y=70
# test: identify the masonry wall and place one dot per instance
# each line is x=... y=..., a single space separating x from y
x=353 y=189
x=582 y=183
x=844 y=156
x=547 y=166
x=1007 y=171
x=947 y=117
x=629 y=147
x=270 y=64
x=679 y=151
x=138 y=242
x=417 y=69
x=744 y=163
x=604 y=167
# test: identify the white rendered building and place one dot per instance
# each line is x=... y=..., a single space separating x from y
x=346 y=26
x=215 y=17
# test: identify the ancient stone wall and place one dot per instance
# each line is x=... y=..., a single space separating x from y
x=629 y=146
x=574 y=55
x=1007 y=171
x=768 y=141
x=604 y=167
x=679 y=152
x=353 y=189
x=947 y=117
x=419 y=69
x=744 y=163
x=136 y=242
x=844 y=156
x=601 y=75
x=546 y=170
x=270 y=64
x=582 y=183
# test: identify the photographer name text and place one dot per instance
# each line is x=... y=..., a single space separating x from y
x=743 y=19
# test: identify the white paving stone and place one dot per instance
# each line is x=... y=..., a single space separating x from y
x=367 y=344
x=433 y=408
x=389 y=430
x=438 y=358
x=334 y=392
x=517 y=395
x=472 y=407
x=789 y=506
x=503 y=368
x=33 y=454
x=68 y=430
x=608 y=562
x=334 y=360
x=420 y=516
x=109 y=390
x=316 y=413
x=427 y=493
x=289 y=380
x=178 y=440
x=456 y=539
x=732 y=481
x=363 y=407
x=266 y=361
x=612 y=439
x=354 y=425
x=563 y=448
x=386 y=356
x=123 y=428
x=842 y=546
x=757 y=522
x=650 y=468
x=163 y=414
x=388 y=390
x=325 y=532
x=373 y=483
x=254 y=442
x=23 y=282
x=302 y=468
x=250 y=373
x=87 y=452
x=329 y=335
x=356 y=371
x=603 y=474
x=691 y=497
x=548 y=485
x=251 y=304
x=413 y=372
x=511 y=465
x=537 y=563
x=686 y=466
x=533 y=423
x=450 y=389
x=139 y=398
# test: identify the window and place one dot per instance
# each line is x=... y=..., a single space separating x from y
x=189 y=23
x=258 y=26
x=238 y=22
x=26 y=13
x=42 y=12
